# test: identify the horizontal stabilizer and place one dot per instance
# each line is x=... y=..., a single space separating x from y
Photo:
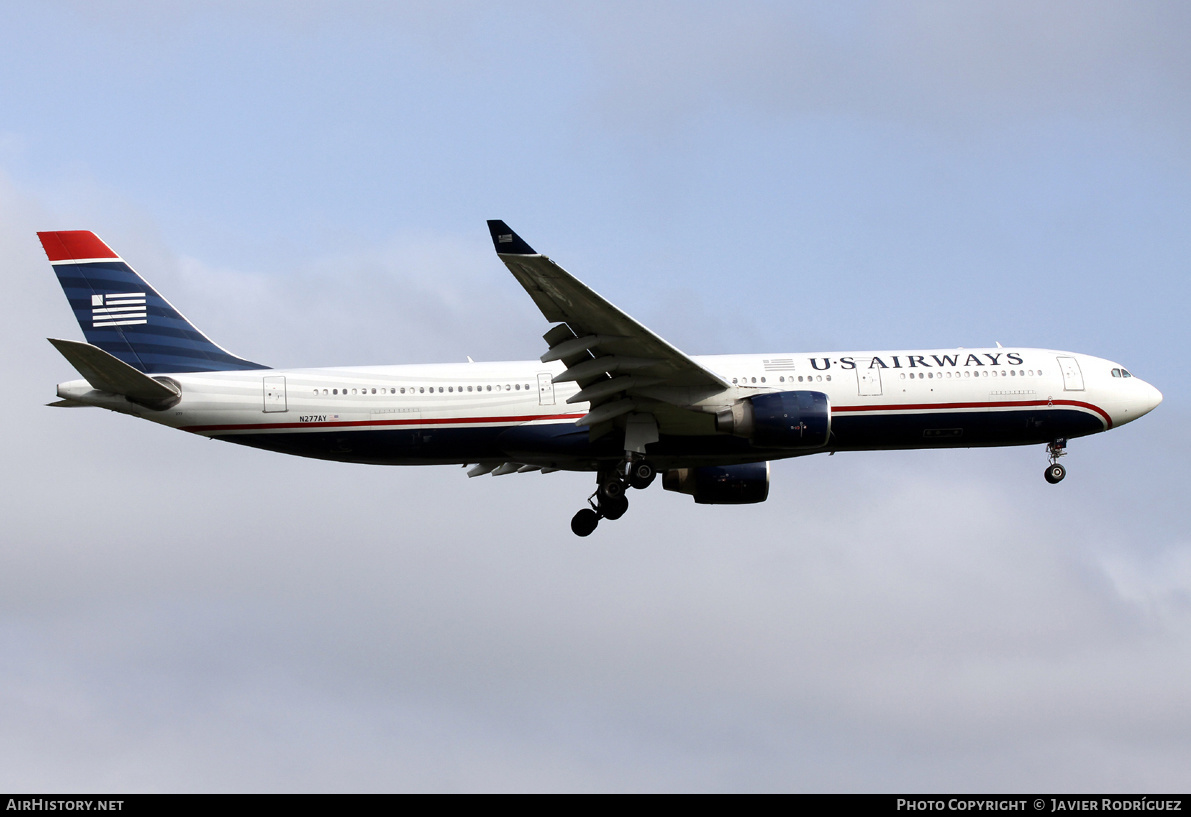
x=108 y=373
x=67 y=404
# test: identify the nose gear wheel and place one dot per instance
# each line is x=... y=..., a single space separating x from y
x=1055 y=472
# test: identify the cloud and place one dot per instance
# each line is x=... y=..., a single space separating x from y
x=352 y=628
x=921 y=64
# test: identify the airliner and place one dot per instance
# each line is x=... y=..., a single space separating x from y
x=608 y=395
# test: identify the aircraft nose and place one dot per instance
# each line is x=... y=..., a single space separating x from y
x=1150 y=398
x=1139 y=399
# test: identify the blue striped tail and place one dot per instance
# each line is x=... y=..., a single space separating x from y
x=121 y=314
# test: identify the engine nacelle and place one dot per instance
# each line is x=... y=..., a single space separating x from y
x=721 y=484
x=784 y=419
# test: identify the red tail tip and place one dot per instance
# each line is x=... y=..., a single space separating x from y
x=71 y=245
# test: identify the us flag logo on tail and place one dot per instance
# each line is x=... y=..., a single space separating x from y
x=118 y=309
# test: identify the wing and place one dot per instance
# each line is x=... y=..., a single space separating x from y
x=620 y=366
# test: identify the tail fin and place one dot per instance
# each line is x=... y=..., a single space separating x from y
x=121 y=314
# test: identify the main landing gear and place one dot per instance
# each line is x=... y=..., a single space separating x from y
x=1054 y=471
x=609 y=500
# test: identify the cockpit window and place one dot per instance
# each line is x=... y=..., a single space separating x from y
x=1116 y=372
x=1125 y=373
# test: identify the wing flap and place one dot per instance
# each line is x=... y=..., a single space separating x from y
x=499 y=469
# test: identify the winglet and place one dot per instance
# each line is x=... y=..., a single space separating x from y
x=506 y=241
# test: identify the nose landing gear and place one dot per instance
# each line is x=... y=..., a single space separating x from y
x=609 y=500
x=1055 y=472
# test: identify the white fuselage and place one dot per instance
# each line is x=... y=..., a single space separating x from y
x=899 y=399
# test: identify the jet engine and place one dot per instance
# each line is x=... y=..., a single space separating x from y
x=721 y=484
x=784 y=419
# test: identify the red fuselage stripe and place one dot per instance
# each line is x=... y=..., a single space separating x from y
x=412 y=421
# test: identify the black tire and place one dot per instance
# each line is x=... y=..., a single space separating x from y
x=612 y=489
x=641 y=475
x=614 y=508
x=584 y=522
x=1055 y=473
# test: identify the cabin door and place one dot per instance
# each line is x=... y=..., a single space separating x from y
x=545 y=389
x=1072 y=376
x=275 y=393
x=868 y=380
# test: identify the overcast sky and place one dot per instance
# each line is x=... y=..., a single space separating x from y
x=309 y=183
